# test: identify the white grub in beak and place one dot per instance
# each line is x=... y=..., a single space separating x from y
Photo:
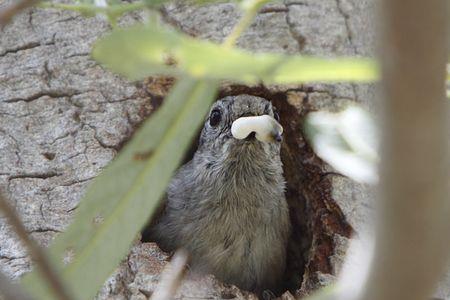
x=266 y=128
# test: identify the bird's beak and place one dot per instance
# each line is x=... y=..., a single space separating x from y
x=266 y=128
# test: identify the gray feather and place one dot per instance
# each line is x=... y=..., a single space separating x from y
x=227 y=205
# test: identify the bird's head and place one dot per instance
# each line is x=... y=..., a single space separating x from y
x=241 y=124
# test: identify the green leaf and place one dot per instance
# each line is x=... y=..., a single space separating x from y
x=121 y=200
x=302 y=69
x=347 y=141
x=139 y=52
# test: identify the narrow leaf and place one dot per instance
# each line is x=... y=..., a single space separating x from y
x=139 y=52
x=121 y=200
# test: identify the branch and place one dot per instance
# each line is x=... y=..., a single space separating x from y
x=13 y=9
x=412 y=238
x=171 y=277
x=36 y=252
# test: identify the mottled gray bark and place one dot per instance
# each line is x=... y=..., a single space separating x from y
x=63 y=118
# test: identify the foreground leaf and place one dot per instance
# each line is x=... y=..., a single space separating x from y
x=347 y=141
x=139 y=52
x=121 y=200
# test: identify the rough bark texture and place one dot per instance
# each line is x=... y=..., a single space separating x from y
x=63 y=118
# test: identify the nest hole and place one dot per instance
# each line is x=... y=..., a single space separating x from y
x=315 y=217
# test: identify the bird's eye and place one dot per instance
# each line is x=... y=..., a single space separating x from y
x=276 y=115
x=215 y=117
x=267 y=109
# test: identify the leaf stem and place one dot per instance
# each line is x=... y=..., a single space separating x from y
x=251 y=8
x=171 y=277
x=36 y=252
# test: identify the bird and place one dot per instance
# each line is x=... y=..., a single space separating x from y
x=226 y=206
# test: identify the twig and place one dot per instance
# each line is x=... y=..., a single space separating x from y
x=10 y=290
x=251 y=8
x=37 y=254
x=13 y=9
x=171 y=277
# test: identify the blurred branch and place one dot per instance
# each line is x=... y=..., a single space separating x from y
x=412 y=237
x=11 y=291
x=34 y=250
x=171 y=277
x=10 y=10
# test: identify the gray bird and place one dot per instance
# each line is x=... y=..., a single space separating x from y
x=226 y=206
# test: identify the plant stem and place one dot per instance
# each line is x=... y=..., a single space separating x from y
x=35 y=251
x=251 y=8
x=171 y=277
